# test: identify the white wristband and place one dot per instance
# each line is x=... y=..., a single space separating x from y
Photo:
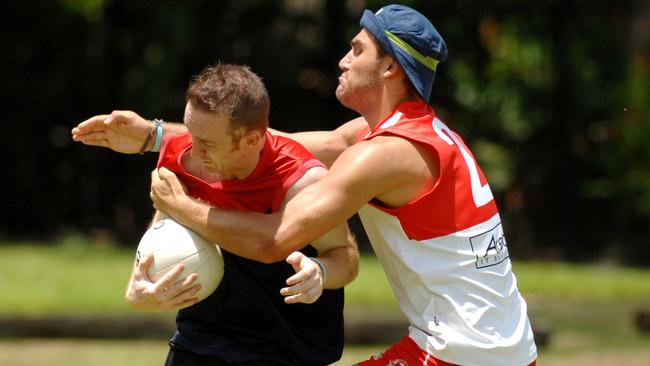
x=323 y=269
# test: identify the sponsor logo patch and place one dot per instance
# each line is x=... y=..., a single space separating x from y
x=490 y=247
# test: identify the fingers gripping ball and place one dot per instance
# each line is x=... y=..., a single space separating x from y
x=172 y=243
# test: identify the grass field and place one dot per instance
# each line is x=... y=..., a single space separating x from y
x=587 y=308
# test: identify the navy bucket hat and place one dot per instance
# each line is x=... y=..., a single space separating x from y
x=411 y=39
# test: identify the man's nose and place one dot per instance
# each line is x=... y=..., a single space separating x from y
x=345 y=62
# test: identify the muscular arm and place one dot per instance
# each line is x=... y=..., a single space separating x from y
x=380 y=168
x=335 y=245
x=337 y=248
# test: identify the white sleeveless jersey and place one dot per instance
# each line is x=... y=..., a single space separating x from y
x=446 y=256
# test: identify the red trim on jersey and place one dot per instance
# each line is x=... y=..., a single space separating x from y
x=404 y=353
x=449 y=206
x=407 y=353
x=282 y=162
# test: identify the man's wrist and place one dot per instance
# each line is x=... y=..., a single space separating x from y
x=323 y=269
x=154 y=138
x=181 y=209
x=158 y=126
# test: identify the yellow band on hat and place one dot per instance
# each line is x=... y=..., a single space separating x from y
x=427 y=61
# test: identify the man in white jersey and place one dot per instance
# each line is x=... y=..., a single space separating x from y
x=424 y=202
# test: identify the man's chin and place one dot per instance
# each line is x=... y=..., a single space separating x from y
x=344 y=100
x=342 y=97
x=339 y=91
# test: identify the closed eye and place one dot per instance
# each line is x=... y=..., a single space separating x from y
x=203 y=142
x=356 y=47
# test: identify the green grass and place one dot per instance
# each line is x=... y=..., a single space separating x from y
x=78 y=278
x=84 y=278
x=63 y=279
x=553 y=280
x=587 y=308
x=114 y=352
x=370 y=288
x=73 y=352
x=586 y=282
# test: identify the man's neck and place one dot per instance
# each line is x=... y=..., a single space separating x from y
x=386 y=107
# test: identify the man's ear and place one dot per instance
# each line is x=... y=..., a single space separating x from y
x=250 y=139
x=390 y=67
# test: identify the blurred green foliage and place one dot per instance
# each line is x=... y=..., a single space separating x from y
x=552 y=96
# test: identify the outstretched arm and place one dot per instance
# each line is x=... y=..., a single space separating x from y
x=126 y=132
x=328 y=145
x=121 y=131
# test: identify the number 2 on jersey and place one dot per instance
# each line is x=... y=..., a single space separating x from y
x=481 y=193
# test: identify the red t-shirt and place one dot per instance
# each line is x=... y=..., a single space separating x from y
x=282 y=162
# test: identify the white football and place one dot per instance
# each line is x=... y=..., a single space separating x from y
x=172 y=243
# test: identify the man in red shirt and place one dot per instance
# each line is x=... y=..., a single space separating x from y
x=262 y=313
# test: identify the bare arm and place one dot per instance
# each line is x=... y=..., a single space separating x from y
x=126 y=132
x=337 y=249
x=338 y=257
x=366 y=170
x=328 y=145
x=121 y=131
x=169 y=196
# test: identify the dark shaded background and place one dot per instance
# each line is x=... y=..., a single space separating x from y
x=552 y=97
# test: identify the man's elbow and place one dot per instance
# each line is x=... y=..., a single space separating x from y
x=271 y=251
x=354 y=272
x=353 y=268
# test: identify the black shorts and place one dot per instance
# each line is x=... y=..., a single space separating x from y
x=179 y=356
